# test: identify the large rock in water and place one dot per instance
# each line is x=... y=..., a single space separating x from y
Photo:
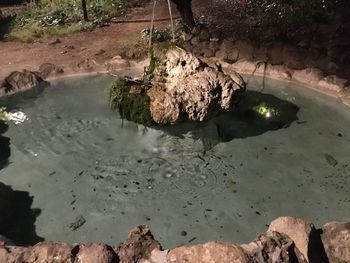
x=19 y=81
x=184 y=87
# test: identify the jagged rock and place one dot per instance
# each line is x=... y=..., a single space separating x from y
x=207 y=253
x=190 y=88
x=274 y=247
x=48 y=70
x=20 y=81
x=306 y=238
x=40 y=253
x=336 y=241
x=55 y=41
x=297 y=229
x=96 y=253
x=139 y=244
x=270 y=247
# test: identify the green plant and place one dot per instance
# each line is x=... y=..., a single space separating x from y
x=157 y=35
x=46 y=17
x=131 y=106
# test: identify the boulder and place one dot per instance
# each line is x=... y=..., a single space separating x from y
x=304 y=235
x=95 y=253
x=336 y=240
x=207 y=253
x=297 y=229
x=273 y=247
x=139 y=245
x=41 y=252
x=20 y=81
x=186 y=86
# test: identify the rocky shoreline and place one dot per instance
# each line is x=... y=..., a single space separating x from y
x=234 y=55
x=287 y=240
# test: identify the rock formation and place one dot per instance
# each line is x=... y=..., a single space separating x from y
x=182 y=87
x=19 y=81
x=288 y=240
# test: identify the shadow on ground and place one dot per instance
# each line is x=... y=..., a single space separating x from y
x=255 y=114
x=17 y=223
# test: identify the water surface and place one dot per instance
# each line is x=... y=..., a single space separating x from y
x=221 y=180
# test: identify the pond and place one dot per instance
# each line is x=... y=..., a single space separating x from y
x=93 y=177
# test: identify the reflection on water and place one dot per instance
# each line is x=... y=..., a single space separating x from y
x=244 y=120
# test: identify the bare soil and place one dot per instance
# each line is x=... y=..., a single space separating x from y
x=98 y=45
x=229 y=18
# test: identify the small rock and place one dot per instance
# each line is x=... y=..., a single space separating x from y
x=54 y=42
x=100 y=52
x=96 y=253
x=208 y=252
x=48 y=69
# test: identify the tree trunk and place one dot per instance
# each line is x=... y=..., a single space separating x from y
x=85 y=14
x=185 y=9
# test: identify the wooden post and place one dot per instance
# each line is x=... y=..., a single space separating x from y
x=85 y=14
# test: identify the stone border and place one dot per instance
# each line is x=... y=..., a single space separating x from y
x=279 y=61
x=287 y=240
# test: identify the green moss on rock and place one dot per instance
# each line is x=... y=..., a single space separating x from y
x=131 y=105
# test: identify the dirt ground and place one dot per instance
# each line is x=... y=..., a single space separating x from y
x=103 y=43
x=98 y=45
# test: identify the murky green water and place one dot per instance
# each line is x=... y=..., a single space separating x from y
x=221 y=180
